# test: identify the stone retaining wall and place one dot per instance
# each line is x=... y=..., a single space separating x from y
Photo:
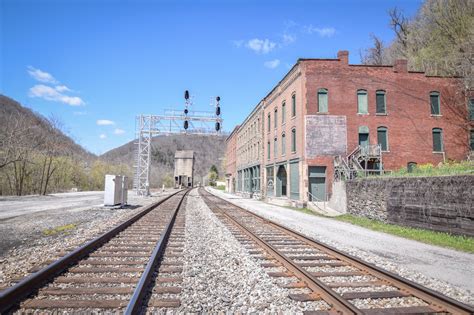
x=444 y=203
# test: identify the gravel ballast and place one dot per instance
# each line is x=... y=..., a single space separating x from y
x=221 y=276
x=443 y=270
x=26 y=246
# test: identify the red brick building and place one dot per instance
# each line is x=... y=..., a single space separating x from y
x=230 y=160
x=327 y=118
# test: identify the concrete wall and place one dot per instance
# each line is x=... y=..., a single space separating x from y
x=338 y=200
x=444 y=203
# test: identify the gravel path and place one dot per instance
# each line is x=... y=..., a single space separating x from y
x=24 y=242
x=444 y=270
x=220 y=275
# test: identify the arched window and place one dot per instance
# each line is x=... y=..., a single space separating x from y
x=275 y=119
x=293 y=140
x=293 y=105
x=268 y=150
x=438 y=140
x=283 y=112
x=434 y=103
x=275 y=147
x=382 y=138
x=322 y=101
x=381 y=106
x=362 y=105
x=283 y=144
x=269 y=122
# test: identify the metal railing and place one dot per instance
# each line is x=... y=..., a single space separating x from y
x=315 y=199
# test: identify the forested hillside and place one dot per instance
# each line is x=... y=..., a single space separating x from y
x=36 y=157
x=208 y=150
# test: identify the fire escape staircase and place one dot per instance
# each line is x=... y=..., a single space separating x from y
x=362 y=161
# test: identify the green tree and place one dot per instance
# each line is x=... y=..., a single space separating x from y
x=212 y=176
x=214 y=169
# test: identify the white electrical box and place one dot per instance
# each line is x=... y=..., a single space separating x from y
x=115 y=190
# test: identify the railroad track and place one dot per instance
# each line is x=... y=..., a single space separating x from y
x=133 y=267
x=314 y=271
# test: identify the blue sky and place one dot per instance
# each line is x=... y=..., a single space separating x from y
x=97 y=64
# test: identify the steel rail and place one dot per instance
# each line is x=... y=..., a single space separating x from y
x=437 y=300
x=11 y=296
x=327 y=294
x=136 y=302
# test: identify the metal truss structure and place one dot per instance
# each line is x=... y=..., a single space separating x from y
x=172 y=122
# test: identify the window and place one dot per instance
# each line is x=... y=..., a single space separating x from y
x=283 y=112
x=381 y=107
x=434 y=102
x=293 y=140
x=275 y=119
x=471 y=109
x=293 y=105
x=268 y=150
x=472 y=139
x=411 y=166
x=270 y=185
x=362 y=107
x=283 y=144
x=322 y=101
x=437 y=140
x=382 y=138
x=275 y=147
x=269 y=122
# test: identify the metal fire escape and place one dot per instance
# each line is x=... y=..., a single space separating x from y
x=172 y=122
x=362 y=161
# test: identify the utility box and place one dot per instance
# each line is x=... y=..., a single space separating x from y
x=115 y=190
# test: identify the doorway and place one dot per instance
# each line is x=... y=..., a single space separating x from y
x=317 y=183
x=281 y=181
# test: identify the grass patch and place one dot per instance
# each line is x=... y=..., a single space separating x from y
x=59 y=229
x=443 y=169
x=458 y=242
x=220 y=187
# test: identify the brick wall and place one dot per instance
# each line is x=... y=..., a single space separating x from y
x=444 y=203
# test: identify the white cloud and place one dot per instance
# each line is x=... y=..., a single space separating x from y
x=260 y=46
x=103 y=136
x=51 y=94
x=62 y=88
x=105 y=122
x=323 y=32
x=272 y=64
x=79 y=113
x=119 y=131
x=41 y=76
x=288 y=38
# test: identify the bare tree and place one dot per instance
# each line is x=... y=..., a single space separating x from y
x=374 y=55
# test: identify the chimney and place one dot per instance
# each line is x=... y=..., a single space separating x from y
x=400 y=66
x=343 y=56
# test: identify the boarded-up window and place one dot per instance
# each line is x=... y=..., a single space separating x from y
x=283 y=113
x=268 y=150
x=293 y=140
x=323 y=101
x=294 y=181
x=275 y=147
x=362 y=105
x=293 y=105
x=283 y=144
x=382 y=138
x=437 y=140
x=269 y=122
x=471 y=109
x=434 y=101
x=381 y=107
